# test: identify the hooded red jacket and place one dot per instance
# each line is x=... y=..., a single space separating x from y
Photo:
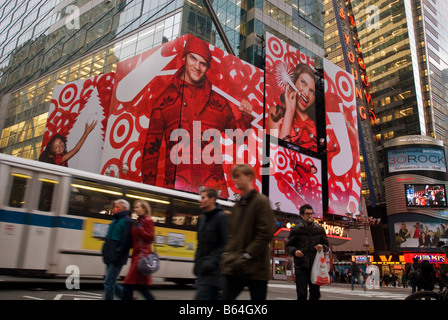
x=179 y=105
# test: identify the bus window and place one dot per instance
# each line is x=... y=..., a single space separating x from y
x=17 y=196
x=92 y=199
x=185 y=213
x=46 y=194
x=160 y=205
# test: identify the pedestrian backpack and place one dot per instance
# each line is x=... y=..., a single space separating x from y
x=414 y=273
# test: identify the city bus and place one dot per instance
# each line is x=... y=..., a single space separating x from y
x=53 y=217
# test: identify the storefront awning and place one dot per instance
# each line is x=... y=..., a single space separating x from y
x=283 y=233
x=337 y=241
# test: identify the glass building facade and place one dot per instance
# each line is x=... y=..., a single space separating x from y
x=48 y=43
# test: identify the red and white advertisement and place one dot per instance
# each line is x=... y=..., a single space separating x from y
x=344 y=167
x=182 y=114
x=290 y=94
x=295 y=180
x=76 y=124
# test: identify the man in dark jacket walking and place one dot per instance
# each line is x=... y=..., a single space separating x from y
x=428 y=275
x=116 y=248
x=355 y=273
x=246 y=256
x=305 y=239
x=212 y=236
x=413 y=272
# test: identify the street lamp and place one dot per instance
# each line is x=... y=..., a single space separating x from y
x=302 y=142
x=333 y=145
x=357 y=222
x=277 y=206
x=123 y=168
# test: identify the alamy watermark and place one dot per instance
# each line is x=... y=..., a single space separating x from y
x=73 y=13
x=72 y=20
x=189 y=148
x=373 y=18
x=73 y=280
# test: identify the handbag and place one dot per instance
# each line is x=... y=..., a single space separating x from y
x=319 y=271
x=148 y=264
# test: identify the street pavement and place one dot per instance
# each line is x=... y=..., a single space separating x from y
x=39 y=296
x=25 y=288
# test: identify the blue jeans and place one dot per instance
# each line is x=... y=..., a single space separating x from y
x=414 y=285
x=110 y=282
x=359 y=281
x=205 y=292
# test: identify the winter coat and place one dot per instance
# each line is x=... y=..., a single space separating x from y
x=118 y=241
x=142 y=237
x=304 y=238
x=178 y=106
x=413 y=271
x=428 y=275
x=355 y=270
x=251 y=229
x=212 y=237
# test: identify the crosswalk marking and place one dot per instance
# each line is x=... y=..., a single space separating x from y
x=375 y=293
x=33 y=298
x=367 y=294
x=88 y=296
x=80 y=295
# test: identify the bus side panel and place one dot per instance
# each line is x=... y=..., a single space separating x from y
x=68 y=244
x=36 y=252
x=42 y=219
x=12 y=224
x=78 y=246
x=175 y=269
x=10 y=240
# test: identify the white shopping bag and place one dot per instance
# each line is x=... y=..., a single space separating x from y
x=319 y=271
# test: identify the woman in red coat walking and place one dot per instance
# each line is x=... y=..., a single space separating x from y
x=142 y=237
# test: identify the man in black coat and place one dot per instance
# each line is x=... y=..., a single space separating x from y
x=305 y=239
x=212 y=236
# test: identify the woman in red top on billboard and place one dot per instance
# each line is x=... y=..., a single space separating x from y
x=292 y=119
x=299 y=184
x=303 y=172
x=56 y=150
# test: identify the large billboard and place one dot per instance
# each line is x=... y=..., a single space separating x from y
x=76 y=123
x=290 y=94
x=412 y=158
x=413 y=231
x=295 y=180
x=343 y=162
x=178 y=116
x=182 y=114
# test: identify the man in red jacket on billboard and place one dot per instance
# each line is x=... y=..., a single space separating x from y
x=186 y=105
